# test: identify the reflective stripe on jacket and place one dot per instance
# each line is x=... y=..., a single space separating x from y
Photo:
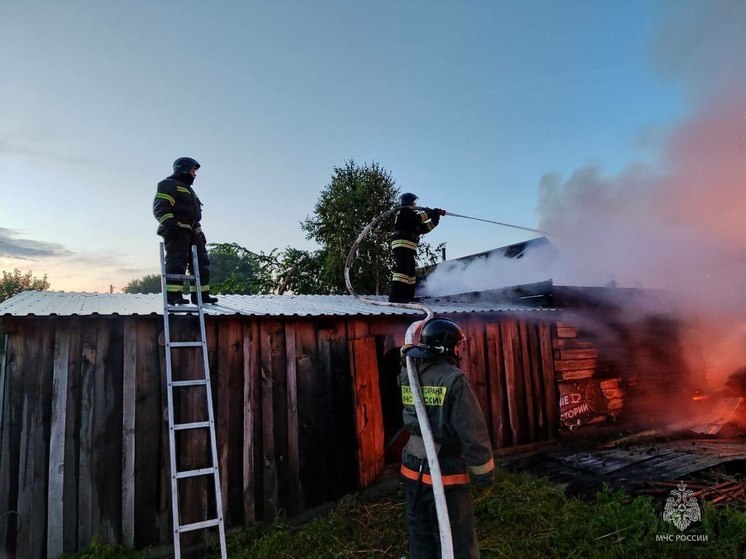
x=409 y=224
x=456 y=420
x=174 y=199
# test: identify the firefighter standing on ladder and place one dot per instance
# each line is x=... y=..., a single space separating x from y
x=179 y=211
x=460 y=433
x=409 y=224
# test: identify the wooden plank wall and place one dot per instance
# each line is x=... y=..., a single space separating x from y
x=295 y=403
x=509 y=363
x=85 y=409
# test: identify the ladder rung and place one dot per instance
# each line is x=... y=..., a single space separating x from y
x=195 y=473
x=178 y=383
x=184 y=344
x=182 y=308
x=183 y=277
x=195 y=425
x=199 y=525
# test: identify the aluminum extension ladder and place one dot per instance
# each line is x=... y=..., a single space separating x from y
x=173 y=385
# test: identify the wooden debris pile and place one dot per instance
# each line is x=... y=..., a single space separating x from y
x=730 y=491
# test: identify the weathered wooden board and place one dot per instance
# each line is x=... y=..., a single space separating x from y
x=513 y=381
x=269 y=352
x=55 y=509
x=294 y=488
x=570 y=354
x=313 y=395
x=339 y=443
x=10 y=450
x=537 y=382
x=575 y=364
x=228 y=410
x=129 y=409
x=107 y=420
x=72 y=434
x=525 y=372
x=367 y=399
x=252 y=431
x=149 y=430
x=34 y=441
x=550 y=386
x=495 y=366
x=473 y=364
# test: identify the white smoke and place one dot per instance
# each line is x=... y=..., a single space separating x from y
x=679 y=225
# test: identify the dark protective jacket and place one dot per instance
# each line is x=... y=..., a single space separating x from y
x=456 y=420
x=409 y=224
x=177 y=205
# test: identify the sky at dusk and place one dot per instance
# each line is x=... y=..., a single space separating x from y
x=512 y=111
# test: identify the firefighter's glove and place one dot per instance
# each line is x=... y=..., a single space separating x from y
x=202 y=237
x=434 y=215
x=484 y=480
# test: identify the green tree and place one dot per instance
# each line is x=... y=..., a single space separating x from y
x=299 y=271
x=16 y=281
x=237 y=270
x=354 y=198
x=146 y=284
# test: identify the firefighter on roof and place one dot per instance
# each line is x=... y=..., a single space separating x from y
x=409 y=224
x=461 y=437
x=179 y=211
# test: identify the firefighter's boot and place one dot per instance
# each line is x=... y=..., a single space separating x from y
x=206 y=298
x=176 y=299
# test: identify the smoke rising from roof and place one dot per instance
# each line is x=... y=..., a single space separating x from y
x=680 y=224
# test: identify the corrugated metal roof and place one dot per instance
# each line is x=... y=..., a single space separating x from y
x=62 y=303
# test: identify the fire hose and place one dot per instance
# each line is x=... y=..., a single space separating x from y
x=441 y=508
x=444 y=524
x=497 y=223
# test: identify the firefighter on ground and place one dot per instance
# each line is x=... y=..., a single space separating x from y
x=409 y=224
x=179 y=211
x=461 y=438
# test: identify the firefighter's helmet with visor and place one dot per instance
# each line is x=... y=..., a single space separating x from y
x=439 y=336
x=407 y=199
x=183 y=165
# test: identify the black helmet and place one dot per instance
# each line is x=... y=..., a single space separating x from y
x=407 y=199
x=439 y=336
x=183 y=165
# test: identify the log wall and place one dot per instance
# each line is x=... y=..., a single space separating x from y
x=639 y=368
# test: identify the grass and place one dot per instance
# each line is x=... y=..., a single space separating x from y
x=517 y=517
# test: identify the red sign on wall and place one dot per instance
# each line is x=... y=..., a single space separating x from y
x=582 y=402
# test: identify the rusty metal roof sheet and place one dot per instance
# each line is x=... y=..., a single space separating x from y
x=62 y=303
